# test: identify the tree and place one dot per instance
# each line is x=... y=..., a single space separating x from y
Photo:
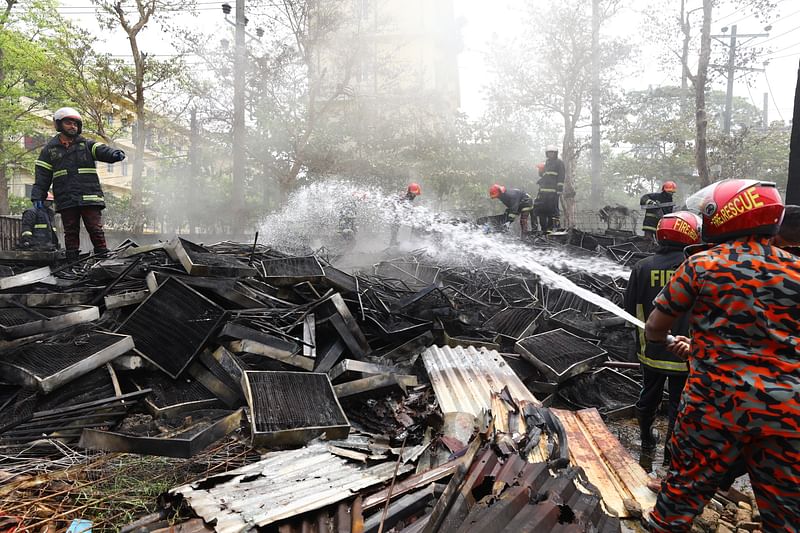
x=133 y=16
x=558 y=81
x=25 y=50
x=701 y=77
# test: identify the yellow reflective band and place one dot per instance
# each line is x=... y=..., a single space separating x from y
x=44 y=164
x=26 y=233
x=649 y=228
x=94 y=149
x=87 y=171
x=40 y=226
x=551 y=173
x=91 y=197
x=674 y=366
x=547 y=190
x=59 y=173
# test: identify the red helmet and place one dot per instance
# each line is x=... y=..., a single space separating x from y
x=679 y=228
x=414 y=188
x=734 y=208
x=540 y=166
x=496 y=190
x=669 y=186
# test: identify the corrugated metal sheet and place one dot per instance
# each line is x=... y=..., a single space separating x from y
x=608 y=465
x=464 y=378
x=280 y=486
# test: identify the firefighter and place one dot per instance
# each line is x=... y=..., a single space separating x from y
x=553 y=170
x=788 y=236
x=545 y=205
x=67 y=162
x=403 y=201
x=675 y=231
x=656 y=205
x=518 y=204
x=38 y=229
x=741 y=400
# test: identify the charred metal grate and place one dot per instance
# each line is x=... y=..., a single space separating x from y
x=16 y=405
x=293 y=407
x=607 y=390
x=16 y=317
x=293 y=267
x=559 y=354
x=513 y=322
x=167 y=392
x=63 y=358
x=96 y=384
x=172 y=325
x=574 y=321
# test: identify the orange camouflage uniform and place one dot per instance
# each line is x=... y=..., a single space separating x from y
x=741 y=402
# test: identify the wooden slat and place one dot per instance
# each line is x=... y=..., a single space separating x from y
x=608 y=465
x=621 y=463
x=584 y=454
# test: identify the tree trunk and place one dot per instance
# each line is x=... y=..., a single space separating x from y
x=701 y=119
x=4 y=205
x=568 y=153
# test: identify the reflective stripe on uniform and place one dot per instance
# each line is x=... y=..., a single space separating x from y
x=87 y=171
x=40 y=226
x=44 y=164
x=92 y=197
x=550 y=173
x=674 y=366
x=26 y=234
x=547 y=190
x=59 y=173
x=94 y=149
x=649 y=228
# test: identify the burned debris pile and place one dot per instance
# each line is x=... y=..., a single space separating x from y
x=409 y=395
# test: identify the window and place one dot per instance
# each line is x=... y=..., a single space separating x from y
x=110 y=168
x=109 y=119
x=124 y=168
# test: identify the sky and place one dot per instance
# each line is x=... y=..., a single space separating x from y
x=483 y=19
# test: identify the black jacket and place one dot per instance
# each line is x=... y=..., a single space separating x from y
x=647 y=279
x=652 y=216
x=516 y=200
x=554 y=170
x=72 y=172
x=37 y=230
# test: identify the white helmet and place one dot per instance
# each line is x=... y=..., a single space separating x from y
x=551 y=148
x=67 y=112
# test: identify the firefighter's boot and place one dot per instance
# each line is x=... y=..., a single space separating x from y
x=667 y=452
x=72 y=255
x=648 y=432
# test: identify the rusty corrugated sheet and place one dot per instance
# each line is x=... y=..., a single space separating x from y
x=464 y=378
x=608 y=465
x=280 y=486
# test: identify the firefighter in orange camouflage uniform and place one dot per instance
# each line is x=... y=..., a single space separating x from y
x=742 y=398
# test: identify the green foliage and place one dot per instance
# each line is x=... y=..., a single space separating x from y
x=18 y=204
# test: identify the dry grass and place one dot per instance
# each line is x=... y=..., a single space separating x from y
x=110 y=489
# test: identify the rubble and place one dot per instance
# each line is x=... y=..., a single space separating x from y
x=409 y=395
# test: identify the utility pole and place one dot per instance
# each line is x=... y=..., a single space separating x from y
x=597 y=189
x=239 y=134
x=732 y=68
x=765 y=112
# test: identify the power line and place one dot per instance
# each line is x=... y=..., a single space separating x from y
x=782 y=49
x=769 y=87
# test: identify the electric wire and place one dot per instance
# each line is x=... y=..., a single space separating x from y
x=772 y=95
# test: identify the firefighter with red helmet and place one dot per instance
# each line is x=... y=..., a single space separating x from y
x=67 y=162
x=402 y=202
x=518 y=204
x=741 y=402
x=660 y=367
x=656 y=205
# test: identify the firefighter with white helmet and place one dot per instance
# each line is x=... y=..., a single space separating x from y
x=68 y=163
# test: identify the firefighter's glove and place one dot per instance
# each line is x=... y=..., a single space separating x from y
x=38 y=204
x=118 y=155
